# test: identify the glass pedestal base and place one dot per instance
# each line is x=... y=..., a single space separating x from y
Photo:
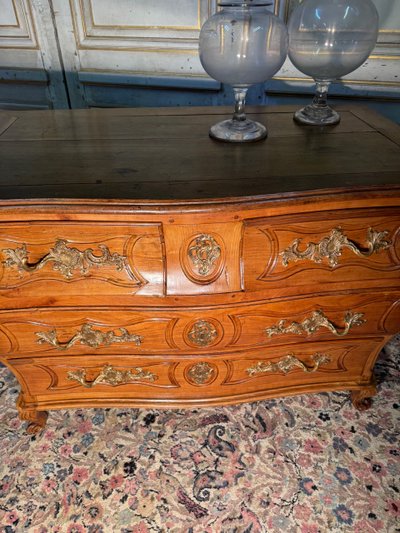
x=238 y=131
x=315 y=115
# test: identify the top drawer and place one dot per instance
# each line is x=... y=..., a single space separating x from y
x=66 y=263
x=338 y=250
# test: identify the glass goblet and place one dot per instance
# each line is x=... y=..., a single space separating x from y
x=241 y=45
x=327 y=40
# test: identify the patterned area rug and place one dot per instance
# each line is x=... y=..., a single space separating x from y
x=307 y=464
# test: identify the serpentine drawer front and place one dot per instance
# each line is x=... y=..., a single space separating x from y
x=346 y=250
x=177 y=271
x=184 y=381
x=57 y=262
x=210 y=331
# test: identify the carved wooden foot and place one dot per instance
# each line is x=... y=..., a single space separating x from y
x=361 y=399
x=37 y=422
x=37 y=419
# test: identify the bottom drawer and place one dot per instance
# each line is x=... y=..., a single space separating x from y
x=57 y=382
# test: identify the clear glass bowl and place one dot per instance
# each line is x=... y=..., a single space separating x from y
x=241 y=45
x=327 y=40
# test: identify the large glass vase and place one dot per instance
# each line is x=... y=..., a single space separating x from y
x=327 y=40
x=244 y=43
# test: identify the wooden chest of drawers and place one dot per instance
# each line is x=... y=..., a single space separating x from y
x=143 y=264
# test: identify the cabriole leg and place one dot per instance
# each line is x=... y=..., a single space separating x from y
x=37 y=419
x=362 y=399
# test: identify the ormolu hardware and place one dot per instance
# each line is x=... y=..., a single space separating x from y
x=65 y=259
x=331 y=247
x=204 y=253
x=314 y=323
x=111 y=376
x=288 y=363
x=89 y=337
x=202 y=333
x=200 y=373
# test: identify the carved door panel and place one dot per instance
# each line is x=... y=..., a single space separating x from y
x=30 y=68
x=122 y=53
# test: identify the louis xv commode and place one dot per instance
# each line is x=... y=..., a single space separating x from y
x=144 y=264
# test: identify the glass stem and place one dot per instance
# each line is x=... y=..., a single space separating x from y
x=321 y=94
x=240 y=101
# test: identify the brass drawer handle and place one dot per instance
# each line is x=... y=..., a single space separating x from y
x=288 y=363
x=66 y=259
x=331 y=247
x=88 y=337
x=314 y=323
x=110 y=376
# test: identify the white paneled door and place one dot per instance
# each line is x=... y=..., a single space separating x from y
x=82 y=53
x=109 y=48
x=31 y=72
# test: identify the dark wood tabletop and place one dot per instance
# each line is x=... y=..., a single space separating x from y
x=166 y=154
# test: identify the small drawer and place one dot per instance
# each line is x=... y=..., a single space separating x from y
x=351 y=249
x=79 y=263
x=203 y=259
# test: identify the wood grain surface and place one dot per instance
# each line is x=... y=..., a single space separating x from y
x=167 y=155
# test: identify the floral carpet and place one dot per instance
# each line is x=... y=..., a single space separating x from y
x=307 y=464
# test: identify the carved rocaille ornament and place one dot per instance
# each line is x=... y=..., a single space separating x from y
x=330 y=247
x=202 y=333
x=65 y=259
x=318 y=320
x=288 y=363
x=201 y=373
x=111 y=376
x=204 y=253
x=88 y=336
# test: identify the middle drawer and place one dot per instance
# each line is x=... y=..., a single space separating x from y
x=202 y=330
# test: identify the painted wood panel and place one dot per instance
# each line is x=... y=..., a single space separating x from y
x=145 y=15
x=148 y=44
x=30 y=67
